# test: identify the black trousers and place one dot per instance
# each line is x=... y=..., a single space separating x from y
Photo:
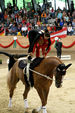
x=33 y=37
x=59 y=53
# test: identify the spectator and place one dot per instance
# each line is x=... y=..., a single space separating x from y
x=19 y=19
x=73 y=14
x=56 y=23
x=52 y=13
x=19 y=27
x=66 y=18
x=24 y=30
x=73 y=25
x=25 y=11
x=15 y=10
x=69 y=30
x=44 y=17
x=49 y=28
x=9 y=28
x=59 y=16
x=44 y=26
x=27 y=23
x=59 y=27
x=23 y=20
x=69 y=22
x=65 y=25
x=53 y=28
x=1 y=16
x=61 y=23
x=58 y=47
x=5 y=16
x=38 y=23
x=14 y=29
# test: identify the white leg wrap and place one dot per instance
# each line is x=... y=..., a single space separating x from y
x=10 y=103
x=26 y=103
x=44 y=109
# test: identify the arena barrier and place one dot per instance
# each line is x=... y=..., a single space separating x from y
x=66 y=57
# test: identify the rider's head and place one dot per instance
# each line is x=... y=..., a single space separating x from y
x=46 y=34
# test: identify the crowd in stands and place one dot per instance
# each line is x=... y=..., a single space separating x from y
x=19 y=21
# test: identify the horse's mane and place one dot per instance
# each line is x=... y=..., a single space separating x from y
x=56 y=58
x=34 y=64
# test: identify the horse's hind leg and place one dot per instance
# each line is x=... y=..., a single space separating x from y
x=25 y=94
x=11 y=85
x=10 y=96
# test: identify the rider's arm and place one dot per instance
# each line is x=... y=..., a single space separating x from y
x=49 y=43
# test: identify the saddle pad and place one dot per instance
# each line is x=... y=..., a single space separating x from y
x=22 y=64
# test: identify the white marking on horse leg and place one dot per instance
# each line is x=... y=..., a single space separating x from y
x=10 y=102
x=26 y=103
x=44 y=109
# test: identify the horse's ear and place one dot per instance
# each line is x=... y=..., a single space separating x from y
x=66 y=67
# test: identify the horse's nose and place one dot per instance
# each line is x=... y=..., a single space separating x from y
x=58 y=85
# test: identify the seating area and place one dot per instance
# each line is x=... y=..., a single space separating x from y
x=17 y=21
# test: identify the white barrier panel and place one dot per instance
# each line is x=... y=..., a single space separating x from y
x=66 y=57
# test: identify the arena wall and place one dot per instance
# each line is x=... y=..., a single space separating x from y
x=5 y=40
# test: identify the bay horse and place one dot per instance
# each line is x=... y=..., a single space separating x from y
x=48 y=67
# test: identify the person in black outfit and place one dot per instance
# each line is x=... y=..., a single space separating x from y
x=34 y=36
x=58 y=47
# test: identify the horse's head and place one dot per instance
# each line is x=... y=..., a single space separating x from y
x=60 y=72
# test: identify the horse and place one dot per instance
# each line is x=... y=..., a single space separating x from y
x=42 y=75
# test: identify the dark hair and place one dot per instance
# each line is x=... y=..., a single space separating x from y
x=46 y=31
x=47 y=34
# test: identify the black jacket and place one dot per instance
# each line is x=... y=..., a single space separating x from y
x=58 y=46
x=34 y=35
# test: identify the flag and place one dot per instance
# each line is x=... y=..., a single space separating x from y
x=2 y=32
x=61 y=33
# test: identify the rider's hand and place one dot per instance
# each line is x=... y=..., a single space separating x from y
x=44 y=55
x=31 y=54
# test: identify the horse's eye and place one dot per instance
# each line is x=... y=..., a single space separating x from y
x=63 y=72
x=63 y=69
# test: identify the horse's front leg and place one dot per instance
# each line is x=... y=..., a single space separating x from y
x=43 y=93
x=27 y=88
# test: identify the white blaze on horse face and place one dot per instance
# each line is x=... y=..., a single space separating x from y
x=10 y=103
x=26 y=103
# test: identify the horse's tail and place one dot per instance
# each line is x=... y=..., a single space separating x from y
x=12 y=78
x=7 y=54
x=12 y=55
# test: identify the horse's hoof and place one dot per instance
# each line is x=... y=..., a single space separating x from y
x=34 y=111
x=26 y=111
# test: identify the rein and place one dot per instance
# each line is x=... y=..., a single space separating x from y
x=49 y=78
